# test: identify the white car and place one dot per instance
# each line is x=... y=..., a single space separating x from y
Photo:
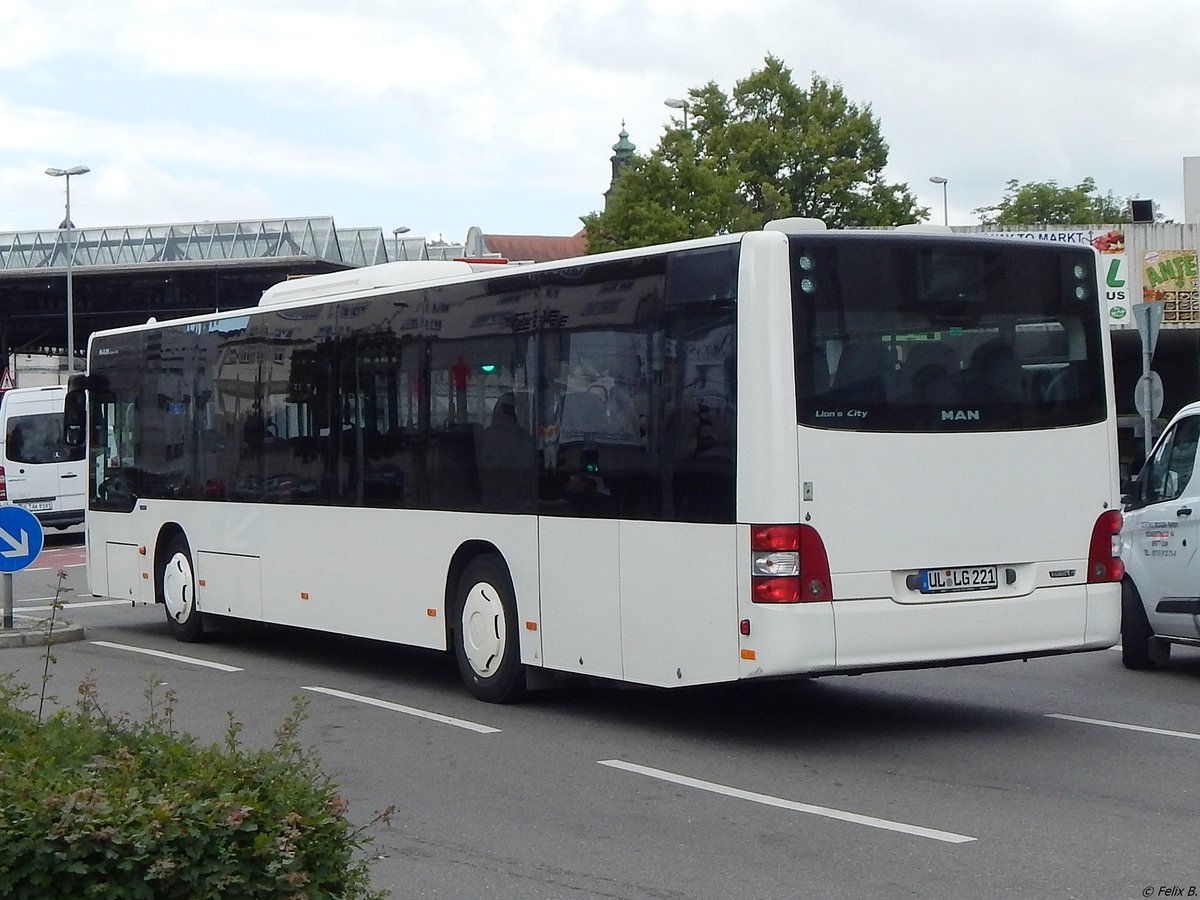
x=1159 y=543
x=38 y=471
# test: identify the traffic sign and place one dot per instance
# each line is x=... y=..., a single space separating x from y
x=1148 y=394
x=1148 y=316
x=20 y=538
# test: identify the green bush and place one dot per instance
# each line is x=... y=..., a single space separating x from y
x=96 y=807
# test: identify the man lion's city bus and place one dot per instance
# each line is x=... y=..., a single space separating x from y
x=793 y=452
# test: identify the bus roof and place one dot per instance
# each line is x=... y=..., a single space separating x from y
x=353 y=281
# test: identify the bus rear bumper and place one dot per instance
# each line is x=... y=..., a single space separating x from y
x=879 y=634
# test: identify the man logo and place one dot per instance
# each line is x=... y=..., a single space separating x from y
x=960 y=415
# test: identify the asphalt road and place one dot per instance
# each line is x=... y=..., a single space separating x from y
x=1066 y=777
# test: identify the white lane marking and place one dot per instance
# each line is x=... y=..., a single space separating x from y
x=407 y=710
x=67 y=604
x=767 y=800
x=1143 y=728
x=171 y=656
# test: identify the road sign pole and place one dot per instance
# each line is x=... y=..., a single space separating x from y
x=1147 y=411
x=20 y=543
x=6 y=598
x=1148 y=318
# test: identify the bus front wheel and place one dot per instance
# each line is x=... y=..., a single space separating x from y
x=486 y=640
x=177 y=588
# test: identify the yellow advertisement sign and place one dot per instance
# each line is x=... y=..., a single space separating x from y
x=1173 y=277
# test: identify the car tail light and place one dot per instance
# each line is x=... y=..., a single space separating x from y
x=1104 y=553
x=788 y=565
x=3 y=485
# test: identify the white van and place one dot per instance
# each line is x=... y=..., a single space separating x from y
x=38 y=471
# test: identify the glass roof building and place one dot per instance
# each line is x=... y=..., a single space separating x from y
x=123 y=275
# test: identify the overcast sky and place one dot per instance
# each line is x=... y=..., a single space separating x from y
x=503 y=114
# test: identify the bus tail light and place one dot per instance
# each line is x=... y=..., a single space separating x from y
x=788 y=564
x=1104 y=553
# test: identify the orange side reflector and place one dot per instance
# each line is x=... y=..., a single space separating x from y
x=146 y=576
x=304 y=595
x=201 y=582
x=431 y=612
x=748 y=654
x=531 y=626
x=141 y=551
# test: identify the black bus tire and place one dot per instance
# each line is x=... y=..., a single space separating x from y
x=177 y=589
x=487 y=643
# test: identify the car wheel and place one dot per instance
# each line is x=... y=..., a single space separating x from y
x=1135 y=630
x=486 y=640
x=177 y=589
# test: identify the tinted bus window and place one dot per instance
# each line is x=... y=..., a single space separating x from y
x=896 y=335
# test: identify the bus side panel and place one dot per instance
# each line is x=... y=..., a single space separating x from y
x=229 y=584
x=122 y=575
x=382 y=574
x=337 y=570
x=581 y=595
x=679 y=609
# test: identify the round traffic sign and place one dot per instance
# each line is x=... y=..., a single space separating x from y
x=1148 y=395
x=20 y=538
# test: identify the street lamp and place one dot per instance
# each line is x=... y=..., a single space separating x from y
x=396 y=232
x=69 y=226
x=678 y=104
x=938 y=179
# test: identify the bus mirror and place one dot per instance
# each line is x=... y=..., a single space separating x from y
x=75 y=414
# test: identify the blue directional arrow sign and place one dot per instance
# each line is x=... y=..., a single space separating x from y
x=20 y=538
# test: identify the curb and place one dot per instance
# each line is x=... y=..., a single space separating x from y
x=30 y=632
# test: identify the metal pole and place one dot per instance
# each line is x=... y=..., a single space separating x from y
x=1148 y=400
x=70 y=295
x=6 y=598
x=945 y=207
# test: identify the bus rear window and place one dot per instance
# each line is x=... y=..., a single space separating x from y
x=913 y=335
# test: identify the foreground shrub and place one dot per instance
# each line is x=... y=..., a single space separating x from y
x=92 y=807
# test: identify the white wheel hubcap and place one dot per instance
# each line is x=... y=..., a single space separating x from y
x=178 y=587
x=483 y=629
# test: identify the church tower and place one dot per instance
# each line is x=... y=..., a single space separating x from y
x=622 y=153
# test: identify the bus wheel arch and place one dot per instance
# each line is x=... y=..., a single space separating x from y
x=481 y=614
x=175 y=584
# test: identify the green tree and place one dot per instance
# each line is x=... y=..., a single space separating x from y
x=1045 y=203
x=770 y=149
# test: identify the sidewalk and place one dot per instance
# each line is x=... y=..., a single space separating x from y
x=32 y=631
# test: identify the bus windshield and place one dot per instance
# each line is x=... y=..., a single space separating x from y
x=899 y=334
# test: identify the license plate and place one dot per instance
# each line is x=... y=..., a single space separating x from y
x=964 y=578
x=36 y=505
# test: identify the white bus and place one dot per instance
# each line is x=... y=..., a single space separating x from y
x=793 y=452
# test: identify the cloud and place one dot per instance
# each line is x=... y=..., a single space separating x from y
x=503 y=114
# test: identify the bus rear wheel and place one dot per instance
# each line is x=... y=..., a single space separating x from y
x=177 y=589
x=486 y=640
